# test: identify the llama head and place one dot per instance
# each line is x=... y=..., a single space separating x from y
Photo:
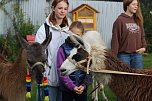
x=77 y=55
x=97 y=52
x=36 y=56
x=92 y=39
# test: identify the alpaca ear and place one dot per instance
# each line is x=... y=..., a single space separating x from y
x=47 y=40
x=24 y=43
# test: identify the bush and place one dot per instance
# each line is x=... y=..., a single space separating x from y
x=149 y=48
x=9 y=44
x=24 y=27
x=147 y=26
x=4 y=49
x=149 y=43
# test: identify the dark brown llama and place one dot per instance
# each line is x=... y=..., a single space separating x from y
x=12 y=75
x=126 y=87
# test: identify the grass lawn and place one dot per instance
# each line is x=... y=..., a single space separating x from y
x=111 y=97
x=148 y=61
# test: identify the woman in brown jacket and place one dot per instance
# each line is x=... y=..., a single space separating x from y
x=128 y=37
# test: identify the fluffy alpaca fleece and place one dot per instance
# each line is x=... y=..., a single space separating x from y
x=97 y=52
x=126 y=87
x=12 y=76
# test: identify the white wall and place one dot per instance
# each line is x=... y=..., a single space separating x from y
x=37 y=10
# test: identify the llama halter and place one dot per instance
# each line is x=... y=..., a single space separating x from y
x=29 y=84
x=37 y=63
x=87 y=69
x=45 y=86
x=46 y=91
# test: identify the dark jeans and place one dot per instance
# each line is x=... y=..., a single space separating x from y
x=72 y=96
x=135 y=60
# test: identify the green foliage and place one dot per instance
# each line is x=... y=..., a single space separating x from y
x=9 y=45
x=146 y=11
x=149 y=48
x=3 y=47
x=149 y=43
x=1 y=40
x=147 y=60
x=13 y=43
x=25 y=27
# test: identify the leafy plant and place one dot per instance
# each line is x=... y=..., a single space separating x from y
x=9 y=45
x=24 y=27
x=146 y=11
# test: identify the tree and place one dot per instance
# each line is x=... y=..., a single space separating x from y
x=9 y=42
x=147 y=15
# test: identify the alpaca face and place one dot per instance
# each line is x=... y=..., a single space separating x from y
x=37 y=57
x=68 y=67
x=92 y=39
x=76 y=55
x=97 y=52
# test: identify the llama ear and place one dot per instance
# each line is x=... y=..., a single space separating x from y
x=47 y=40
x=24 y=43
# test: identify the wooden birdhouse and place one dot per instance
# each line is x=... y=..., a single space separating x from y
x=87 y=15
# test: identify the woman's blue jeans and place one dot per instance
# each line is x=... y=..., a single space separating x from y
x=135 y=60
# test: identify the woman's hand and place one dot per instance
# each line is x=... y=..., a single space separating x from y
x=141 y=50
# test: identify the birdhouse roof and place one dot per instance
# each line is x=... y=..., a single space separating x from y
x=83 y=6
